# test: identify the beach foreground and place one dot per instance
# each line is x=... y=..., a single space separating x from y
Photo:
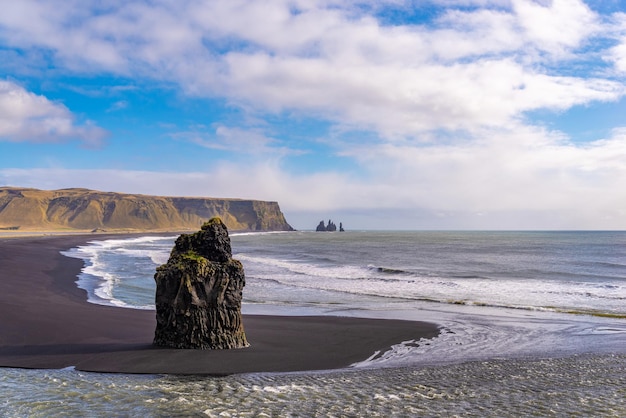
x=46 y=322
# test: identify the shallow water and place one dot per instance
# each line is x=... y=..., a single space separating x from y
x=532 y=325
x=576 y=386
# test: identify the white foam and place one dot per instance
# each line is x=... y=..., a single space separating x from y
x=527 y=294
x=303 y=268
x=158 y=256
x=98 y=279
x=101 y=282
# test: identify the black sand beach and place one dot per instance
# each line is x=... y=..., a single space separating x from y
x=46 y=322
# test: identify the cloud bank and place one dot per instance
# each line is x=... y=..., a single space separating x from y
x=436 y=110
x=540 y=182
x=465 y=69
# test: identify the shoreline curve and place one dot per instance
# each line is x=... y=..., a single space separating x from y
x=47 y=323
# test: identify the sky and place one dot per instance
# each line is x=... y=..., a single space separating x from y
x=382 y=114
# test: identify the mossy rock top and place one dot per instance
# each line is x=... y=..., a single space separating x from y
x=215 y=222
x=211 y=242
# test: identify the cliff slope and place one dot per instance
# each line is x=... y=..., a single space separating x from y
x=83 y=209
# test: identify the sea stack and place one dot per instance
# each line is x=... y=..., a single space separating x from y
x=199 y=292
x=331 y=227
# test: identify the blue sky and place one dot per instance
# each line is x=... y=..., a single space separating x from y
x=392 y=114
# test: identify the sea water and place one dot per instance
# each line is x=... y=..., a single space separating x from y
x=532 y=323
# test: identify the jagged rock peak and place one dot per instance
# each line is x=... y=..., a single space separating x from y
x=199 y=293
x=331 y=227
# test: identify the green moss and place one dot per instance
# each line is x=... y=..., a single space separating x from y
x=192 y=255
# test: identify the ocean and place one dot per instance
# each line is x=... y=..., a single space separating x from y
x=532 y=324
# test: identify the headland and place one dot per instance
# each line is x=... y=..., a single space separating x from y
x=24 y=210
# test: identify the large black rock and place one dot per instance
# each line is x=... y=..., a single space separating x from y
x=199 y=292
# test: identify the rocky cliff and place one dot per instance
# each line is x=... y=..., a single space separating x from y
x=82 y=209
x=199 y=293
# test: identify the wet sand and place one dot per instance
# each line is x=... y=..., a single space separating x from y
x=46 y=322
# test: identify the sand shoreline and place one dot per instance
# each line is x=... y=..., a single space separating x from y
x=46 y=322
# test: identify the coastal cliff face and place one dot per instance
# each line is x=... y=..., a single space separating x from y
x=83 y=209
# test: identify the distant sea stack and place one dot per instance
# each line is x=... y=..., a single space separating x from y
x=90 y=210
x=331 y=227
x=199 y=293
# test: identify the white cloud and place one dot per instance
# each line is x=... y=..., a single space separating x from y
x=558 y=26
x=520 y=169
x=617 y=54
x=27 y=117
x=471 y=69
x=520 y=178
x=235 y=139
x=117 y=106
x=404 y=100
x=264 y=181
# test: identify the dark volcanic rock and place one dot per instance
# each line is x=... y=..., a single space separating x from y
x=199 y=291
x=331 y=227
